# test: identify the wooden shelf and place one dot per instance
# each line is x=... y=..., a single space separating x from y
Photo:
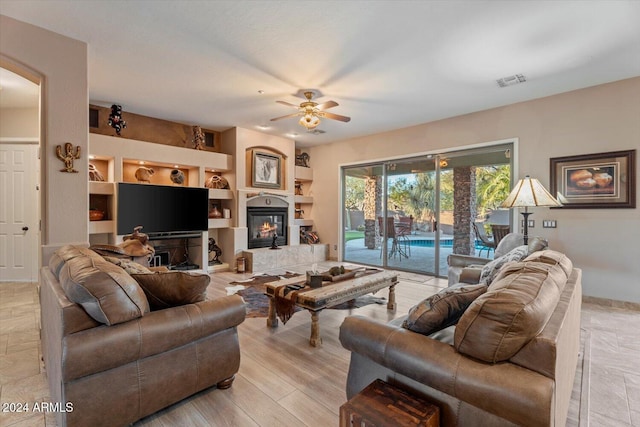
x=101 y=187
x=303 y=199
x=220 y=194
x=219 y=222
x=303 y=174
x=98 y=227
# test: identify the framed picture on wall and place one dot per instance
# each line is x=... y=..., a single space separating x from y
x=266 y=170
x=602 y=180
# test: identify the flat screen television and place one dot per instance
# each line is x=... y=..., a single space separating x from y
x=161 y=209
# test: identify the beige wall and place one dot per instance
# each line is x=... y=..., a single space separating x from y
x=603 y=242
x=59 y=64
x=19 y=123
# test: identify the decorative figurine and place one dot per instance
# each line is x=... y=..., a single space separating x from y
x=299 y=213
x=177 y=176
x=143 y=174
x=298 y=187
x=94 y=173
x=68 y=156
x=214 y=252
x=115 y=119
x=137 y=235
x=302 y=160
x=274 y=243
x=198 y=138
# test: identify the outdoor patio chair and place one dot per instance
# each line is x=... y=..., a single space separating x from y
x=498 y=232
x=396 y=249
x=483 y=242
x=403 y=227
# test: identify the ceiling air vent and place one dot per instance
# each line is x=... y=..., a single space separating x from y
x=316 y=131
x=511 y=80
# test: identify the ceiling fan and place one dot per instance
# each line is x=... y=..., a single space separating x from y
x=311 y=112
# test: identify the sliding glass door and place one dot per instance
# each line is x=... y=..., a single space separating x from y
x=410 y=214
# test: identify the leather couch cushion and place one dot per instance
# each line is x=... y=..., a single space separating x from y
x=443 y=309
x=106 y=292
x=173 y=288
x=551 y=257
x=514 y=310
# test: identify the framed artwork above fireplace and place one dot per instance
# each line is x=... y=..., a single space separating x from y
x=266 y=170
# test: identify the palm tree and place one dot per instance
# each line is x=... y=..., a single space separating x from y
x=493 y=186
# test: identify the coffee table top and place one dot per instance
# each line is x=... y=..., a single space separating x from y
x=331 y=293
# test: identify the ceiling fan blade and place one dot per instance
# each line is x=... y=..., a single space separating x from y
x=288 y=104
x=336 y=117
x=327 y=105
x=284 y=117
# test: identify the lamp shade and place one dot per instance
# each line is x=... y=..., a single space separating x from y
x=529 y=192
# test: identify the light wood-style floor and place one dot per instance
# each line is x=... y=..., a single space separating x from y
x=285 y=382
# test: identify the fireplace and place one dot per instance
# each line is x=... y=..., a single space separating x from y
x=266 y=217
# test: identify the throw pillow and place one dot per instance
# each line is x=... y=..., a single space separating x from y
x=127 y=265
x=106 y=292
x=490 y=270
x=173 y=288
x=443 y=309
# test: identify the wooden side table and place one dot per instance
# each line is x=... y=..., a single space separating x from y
x=380 y=405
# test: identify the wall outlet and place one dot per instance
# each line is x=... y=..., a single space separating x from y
x=335 y=247
x=549 y=223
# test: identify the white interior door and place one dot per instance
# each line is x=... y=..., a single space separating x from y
x=19 y=217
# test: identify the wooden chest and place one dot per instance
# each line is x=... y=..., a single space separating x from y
x=383 y=405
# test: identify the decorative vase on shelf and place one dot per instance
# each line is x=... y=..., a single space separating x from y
x=95 y=215
x=143 y=174
x=177 y=177
x=215 y=213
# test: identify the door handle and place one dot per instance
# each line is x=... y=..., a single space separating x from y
x=25 y=228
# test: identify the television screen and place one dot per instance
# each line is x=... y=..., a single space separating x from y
x=161 y=208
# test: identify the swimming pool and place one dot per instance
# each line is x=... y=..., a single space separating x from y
x=430 y=243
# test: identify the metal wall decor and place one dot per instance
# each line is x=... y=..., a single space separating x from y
x=68 y=156
x=115 y=118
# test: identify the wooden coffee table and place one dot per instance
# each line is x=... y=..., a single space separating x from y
x=329 y=295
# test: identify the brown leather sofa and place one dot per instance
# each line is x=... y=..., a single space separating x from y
x=510 y=360
x=131 y=362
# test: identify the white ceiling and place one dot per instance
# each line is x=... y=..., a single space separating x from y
x=389 y=64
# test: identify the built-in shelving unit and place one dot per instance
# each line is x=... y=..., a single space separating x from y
x=117 y=160
x=304 y=201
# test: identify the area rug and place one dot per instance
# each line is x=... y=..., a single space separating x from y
x=254 y=290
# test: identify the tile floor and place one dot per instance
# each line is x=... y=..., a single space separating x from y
x=606 y=391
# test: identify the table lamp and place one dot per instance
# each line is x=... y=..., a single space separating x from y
x=528 y=192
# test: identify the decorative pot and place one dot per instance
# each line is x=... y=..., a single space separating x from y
x=95 y=215
x=215 y=213
x=177 y=176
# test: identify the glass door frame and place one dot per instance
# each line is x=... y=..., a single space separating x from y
x=511 y=147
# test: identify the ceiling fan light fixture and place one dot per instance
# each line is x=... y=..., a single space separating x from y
x=309 y=121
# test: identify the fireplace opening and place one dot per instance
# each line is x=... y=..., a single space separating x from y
x=265 y=222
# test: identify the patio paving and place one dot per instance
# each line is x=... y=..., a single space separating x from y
x=421 y=260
